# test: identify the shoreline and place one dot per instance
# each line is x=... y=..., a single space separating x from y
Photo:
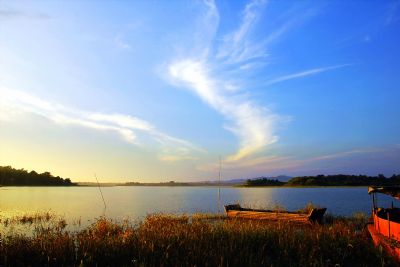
x=201 y=240
x=215 y=186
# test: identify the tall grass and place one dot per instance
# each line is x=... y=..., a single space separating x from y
x=199 y=240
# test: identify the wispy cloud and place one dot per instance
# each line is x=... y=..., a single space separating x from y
x=241 y=46
x=305 y=73
x=336 y=162
x=251 y=123
x=14 y=13
x=236 y=46
x=294 y=18
x=209 y=25
x=121 y=43
x=349 y=153
x=121 y=120
x=266 y=163
x=220 y=79
x=13 y=103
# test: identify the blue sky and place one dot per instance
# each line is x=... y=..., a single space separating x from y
x=156 y=91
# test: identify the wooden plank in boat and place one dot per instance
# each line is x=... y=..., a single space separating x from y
x=273 y=216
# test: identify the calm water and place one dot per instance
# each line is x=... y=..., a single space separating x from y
x=136 y=202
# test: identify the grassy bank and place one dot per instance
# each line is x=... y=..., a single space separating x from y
x=199 y=240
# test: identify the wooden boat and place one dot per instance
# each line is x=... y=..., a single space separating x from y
x=384 y=226
x=236 y=211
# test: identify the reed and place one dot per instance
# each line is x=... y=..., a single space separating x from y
x=199 y=240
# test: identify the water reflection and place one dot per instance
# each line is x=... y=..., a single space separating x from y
x=136 y=202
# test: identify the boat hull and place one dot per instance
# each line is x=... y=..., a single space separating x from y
x=385 y=242
x=235 y=211
x=387 y=226
x=385 y=222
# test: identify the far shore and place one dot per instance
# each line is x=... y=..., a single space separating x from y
x=185 y=185
x=21 y=177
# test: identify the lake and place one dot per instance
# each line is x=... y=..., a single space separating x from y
x=135 y=202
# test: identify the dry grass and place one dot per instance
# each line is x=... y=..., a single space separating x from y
x=199 y=240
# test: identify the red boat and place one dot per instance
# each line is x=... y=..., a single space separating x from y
x=385 y=225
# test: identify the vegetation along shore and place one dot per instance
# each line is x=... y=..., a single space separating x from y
x=179 y=240
x=20 y=177
x=14 y=177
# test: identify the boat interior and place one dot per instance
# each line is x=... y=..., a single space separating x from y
x=315 y=212
x=392 y=213
x=240 y=208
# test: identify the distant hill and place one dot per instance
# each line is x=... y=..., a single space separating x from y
x=13 y=177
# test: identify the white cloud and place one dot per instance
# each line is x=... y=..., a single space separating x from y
x=13 y=103
x=220 y=78
x=304 y=74
x=209 y=25
x=121 y=120
x=241 y=46
x=251 y=123
x=236 y=46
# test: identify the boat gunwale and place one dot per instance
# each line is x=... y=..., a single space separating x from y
x=315 y=215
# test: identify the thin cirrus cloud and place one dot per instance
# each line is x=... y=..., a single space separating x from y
x=263 y=163
x=14 y=102
x=236 y=46
x=252 y=124
x=13 y=13
x=305 y=73
x=240 y=46
x=207 y=74
x=290 y=164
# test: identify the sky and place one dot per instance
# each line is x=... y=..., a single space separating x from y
x=160 y=90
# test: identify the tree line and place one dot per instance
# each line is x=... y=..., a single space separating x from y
x=14 y=177
x=263 y=181
x=329 y=180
